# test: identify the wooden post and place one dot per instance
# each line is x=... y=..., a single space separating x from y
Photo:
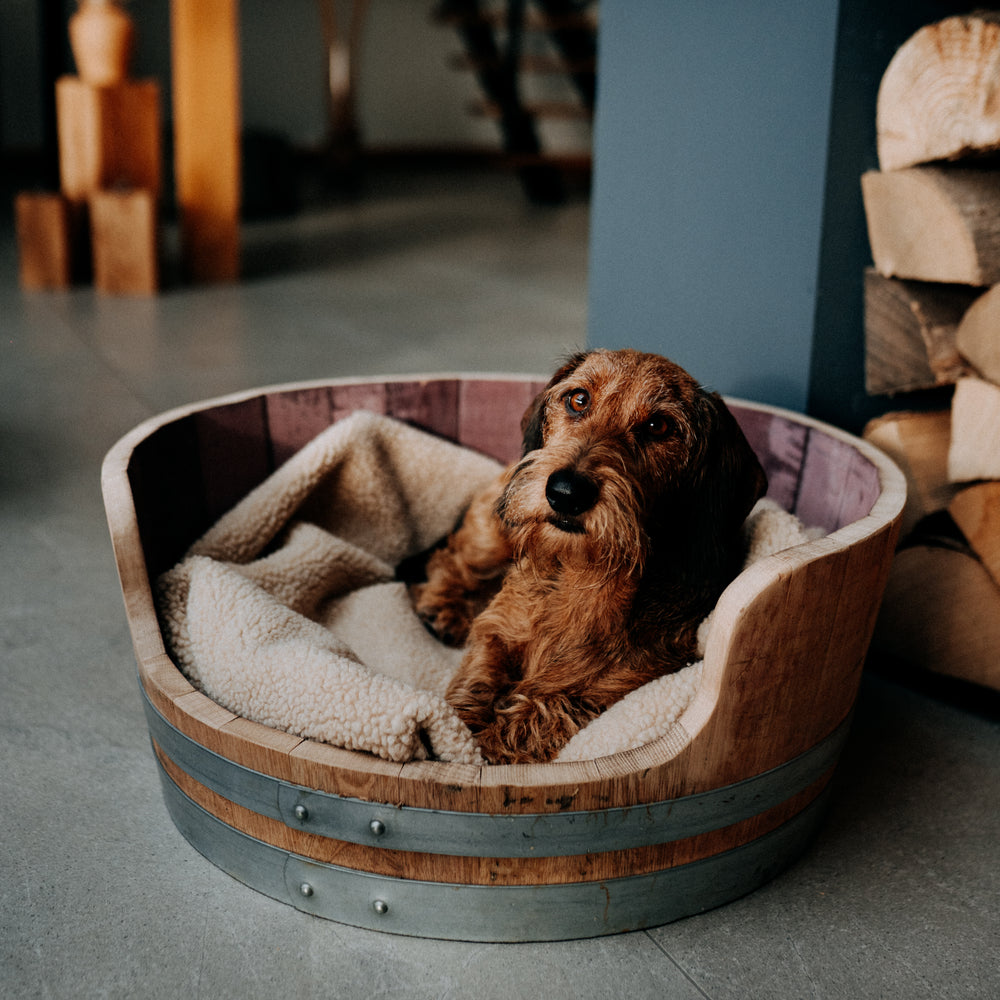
x=206 y=106
x=108 y=136
x=45 y=240
x=124 y=234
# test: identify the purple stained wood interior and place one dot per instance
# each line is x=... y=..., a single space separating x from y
x=190 y=471
x=294 y=418
x=490 y=416
x=822 y=479
x=234 y=445
x=431 y=405
x=780 y=446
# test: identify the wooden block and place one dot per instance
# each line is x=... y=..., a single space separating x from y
x=44 y=240
x=125 y=241
x=941 y=613
x=976 y=511
x=978 y=335
x=935 y=223
x=206 y=108
x=910 y=329
x=918 y=443
x=108 y=136
x=937 y=99
x=974 y=452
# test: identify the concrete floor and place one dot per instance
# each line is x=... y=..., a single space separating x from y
x=899 y=896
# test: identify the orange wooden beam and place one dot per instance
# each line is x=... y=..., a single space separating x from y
x=206 y=108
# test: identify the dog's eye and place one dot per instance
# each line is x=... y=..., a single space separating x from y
x=657 y=426
x=578 y=401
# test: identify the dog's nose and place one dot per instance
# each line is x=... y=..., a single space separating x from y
x=570 y=493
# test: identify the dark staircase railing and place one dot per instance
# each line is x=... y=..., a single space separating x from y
x=493 y=38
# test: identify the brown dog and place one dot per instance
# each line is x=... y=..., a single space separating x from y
x=586 y=571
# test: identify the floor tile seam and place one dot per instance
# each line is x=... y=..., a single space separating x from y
x=100 y=358
x=673 y=961
x=115 y=372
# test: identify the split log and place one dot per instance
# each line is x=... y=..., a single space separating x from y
x=918 y=444
x=910 y=330
x=941 y=610
x=935 y=223
x=974 y=452
x=939 y=97
x=976 y=511
x=978 y=335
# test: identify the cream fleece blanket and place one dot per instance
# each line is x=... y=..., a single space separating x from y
x=286 y=611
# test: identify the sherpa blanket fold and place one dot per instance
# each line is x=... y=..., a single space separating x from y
x=287 y=611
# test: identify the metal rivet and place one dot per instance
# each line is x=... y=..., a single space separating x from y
x=381 y=907
x=306 y=889
x=301 y=813
x=377 y=827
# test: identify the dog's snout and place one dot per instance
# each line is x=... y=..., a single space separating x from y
x=570 y=493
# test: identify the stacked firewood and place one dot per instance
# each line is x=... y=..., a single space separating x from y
x=932 y=318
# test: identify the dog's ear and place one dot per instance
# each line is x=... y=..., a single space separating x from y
x=724 y=481
x=733 y=479
x=533 y=422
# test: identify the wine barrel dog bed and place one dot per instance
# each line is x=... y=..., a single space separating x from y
x=701 y=815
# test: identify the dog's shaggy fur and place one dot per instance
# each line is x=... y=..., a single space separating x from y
x=585 y=571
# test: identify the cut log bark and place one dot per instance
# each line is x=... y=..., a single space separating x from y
x=918 y=443
x=976 y=511
x=940 y=96
x=910 y=330
x=978 y=335
x=941 y=612
x=935 y=223
x=974 y=452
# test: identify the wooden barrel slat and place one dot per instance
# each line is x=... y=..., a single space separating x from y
x=371 y=396
x=431 y=405
x=295 y=418
x=781 y=669
x=162 y=681
x=490 y=416
x=344 y=772
x=781 y=447
x=272 y=747
x=839 y=485
x=235 y=452
x=165 y=477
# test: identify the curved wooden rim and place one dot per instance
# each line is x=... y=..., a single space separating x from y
x=649 y=773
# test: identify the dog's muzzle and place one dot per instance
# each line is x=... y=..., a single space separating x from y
x=570 y=494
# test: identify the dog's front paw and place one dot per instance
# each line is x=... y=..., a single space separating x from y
x=528 y=729
x=446 y=619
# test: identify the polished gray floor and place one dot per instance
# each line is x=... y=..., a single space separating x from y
x=899 y=897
